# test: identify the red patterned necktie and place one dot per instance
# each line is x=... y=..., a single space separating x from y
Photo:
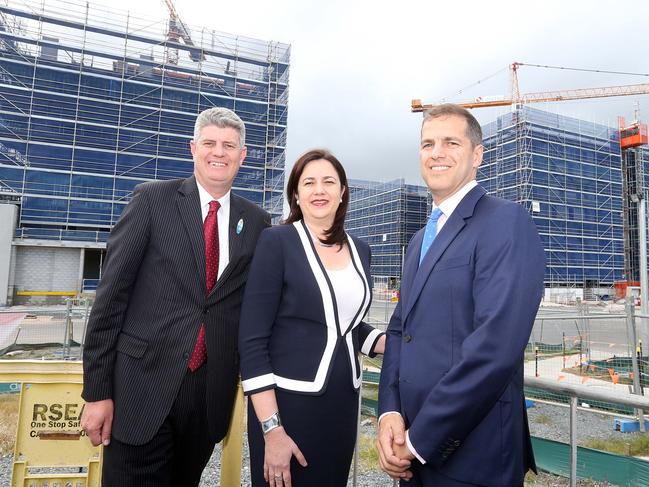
x=211 y=231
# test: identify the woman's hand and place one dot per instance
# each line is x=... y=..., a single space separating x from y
x=380 y=345
x=277 y=459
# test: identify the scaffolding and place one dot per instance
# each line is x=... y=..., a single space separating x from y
x=94 y=101
x=635 y=157
x=567 y=173
x=386 y=215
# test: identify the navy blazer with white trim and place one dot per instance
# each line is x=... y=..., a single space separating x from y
x=289 y=328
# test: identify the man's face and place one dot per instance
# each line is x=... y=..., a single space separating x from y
x=217 y=158
x=447 y=158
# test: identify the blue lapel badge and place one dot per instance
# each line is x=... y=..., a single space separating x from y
x=239 y=226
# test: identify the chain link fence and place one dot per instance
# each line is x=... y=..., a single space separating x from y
x=582 y=344
x=591 y=346
x=52 y=332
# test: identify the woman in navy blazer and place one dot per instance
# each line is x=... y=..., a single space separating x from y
x=301 y=331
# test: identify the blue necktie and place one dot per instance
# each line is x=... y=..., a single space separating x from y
x=430 y=233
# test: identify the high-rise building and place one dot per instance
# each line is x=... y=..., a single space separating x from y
x=568 y=174
x=94 y=102
x=386 y=216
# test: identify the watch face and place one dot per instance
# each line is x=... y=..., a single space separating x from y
x=270 y=423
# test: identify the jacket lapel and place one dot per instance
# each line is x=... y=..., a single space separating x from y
x=322 y=280
x=411 y=264
x=367 y=293
x=189 y=205
x=447 y=234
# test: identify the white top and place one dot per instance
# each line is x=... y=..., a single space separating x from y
x=348 y=290
x=448 y=205
x=223 y=217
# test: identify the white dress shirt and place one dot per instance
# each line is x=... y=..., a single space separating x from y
x=449 y=204
x=223 y=217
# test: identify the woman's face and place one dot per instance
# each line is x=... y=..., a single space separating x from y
x=319 y=192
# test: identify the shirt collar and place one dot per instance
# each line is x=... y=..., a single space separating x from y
x=205 y=198
x=449 y=204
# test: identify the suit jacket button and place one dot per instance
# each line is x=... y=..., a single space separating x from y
x=407 y=338
x=186 y=356
x=206 y=310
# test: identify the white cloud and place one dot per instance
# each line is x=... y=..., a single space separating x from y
x=357 y=64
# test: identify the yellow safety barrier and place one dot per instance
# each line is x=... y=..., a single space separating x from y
x=51 y=450
x=50 y=447
x=232 y=457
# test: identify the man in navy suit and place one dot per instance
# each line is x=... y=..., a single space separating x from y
x=452 y=410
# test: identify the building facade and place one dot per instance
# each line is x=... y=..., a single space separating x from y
x=568 y=174
x=94 y=102
x=386 y=216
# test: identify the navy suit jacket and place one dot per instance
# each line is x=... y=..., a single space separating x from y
x=453 y=365
x=290 y=332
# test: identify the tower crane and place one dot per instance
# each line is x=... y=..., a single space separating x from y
x=176 y=31
x=544 y=96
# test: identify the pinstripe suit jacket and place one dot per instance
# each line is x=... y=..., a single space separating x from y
x=150 y=304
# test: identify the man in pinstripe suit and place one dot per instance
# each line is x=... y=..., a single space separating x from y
x=157 y=405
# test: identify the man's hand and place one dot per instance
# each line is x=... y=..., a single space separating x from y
x=403 y=452
x=97 y=421
x=392 y=436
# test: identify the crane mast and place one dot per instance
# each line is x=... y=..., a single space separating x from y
x=176 y=31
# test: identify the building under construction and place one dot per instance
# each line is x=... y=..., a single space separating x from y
x=94 y=102
x=580 y=185
x=579 y=180
x=635 y=186
x=386 y=216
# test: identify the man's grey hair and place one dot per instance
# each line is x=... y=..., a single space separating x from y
x=473 y=129
x=222 y=118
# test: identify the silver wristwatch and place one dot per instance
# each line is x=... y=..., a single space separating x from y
x=274 y=421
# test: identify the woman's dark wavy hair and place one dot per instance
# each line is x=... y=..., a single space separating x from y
x=335 y=234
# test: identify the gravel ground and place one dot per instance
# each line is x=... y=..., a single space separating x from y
x=546 y=421
x=553 y=423
x=5 y=469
